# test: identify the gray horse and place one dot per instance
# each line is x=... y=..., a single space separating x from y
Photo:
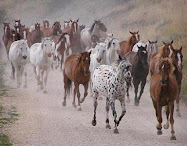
x=98 y=29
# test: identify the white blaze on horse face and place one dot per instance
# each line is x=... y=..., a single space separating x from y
x=16 y=23
x=47 y=46
x=67 y=39
x=17 y=30
x=75 y=27
x=136 y=35
x=179 y=60
x=6 y=27
x=170 y=52
x=24 y=35
x=23 y=49
x=144 y=52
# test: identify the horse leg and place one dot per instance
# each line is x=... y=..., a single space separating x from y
x=73 y=103
x=38 y=77
x=17 y=73
x=142 y=89
x=13 y=72
x=45 y=81
x=159 y=118
x=122 y=101
x=177 y=102
x=25 y=74
x=107 y=116
x=112 y=105
x=61 y=61
x=166 y=126
x=85 y=92
x=78 y=96
x=171 y=109
x=128 y=99
x=65 y=88
x=95 y=96
x=42 y=75
x=67 y=51
x=136 y=83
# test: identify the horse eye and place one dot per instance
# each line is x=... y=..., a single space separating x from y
x=45 y=45
x=113 y=43
x=21 y=48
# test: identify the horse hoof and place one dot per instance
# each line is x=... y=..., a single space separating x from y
x=159 y=132
x=94 y=122
x=178 y=114
x=116 y=131
x=136 y=103
x=44 y=92
x=64 y=103
x=100 y=98
x=25 y=86
x=79 y=108
x=108 y=126
x=74 y=105
x=166 y=126
x=173 y=137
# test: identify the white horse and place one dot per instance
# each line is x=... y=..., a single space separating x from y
x=40 y=57
x=113 y=47
x=19 y=57
x=111 y=82
x=139 y=44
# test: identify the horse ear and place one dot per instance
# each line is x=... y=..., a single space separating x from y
x=90 y=52
x=172 y=42
x=163 y=42
x=149 y=41
x=78 y=20
x=180 y=48
x=109 y=44
x=131 y=32
x=120 y=58
x=156 y=41
x=70 y=20
x=146 y=46
x=137 y=31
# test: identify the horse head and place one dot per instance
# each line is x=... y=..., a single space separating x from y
x=37 y=28
x=165 y=69
x=142 y=54
x=152 y=47
x=84 y=61
x=100 y=26
x=100 y=51
x=178 y=59
x=74 y=26
x=135 y=38
x=115 y=44
x=57 y=27
x=47 y=46
x=6 y=27
x=45 y=23
x=66 y=23
x=167 y=50
x=17 y=22
x=23 y=49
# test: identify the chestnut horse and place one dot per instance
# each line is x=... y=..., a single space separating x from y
x=76 y=69
x=45 y=24
x=164 y=90
x=36 y=34
x=165 y=51
x=178 y=64
x=54 y=30
x=6 y=34
x=126 y=46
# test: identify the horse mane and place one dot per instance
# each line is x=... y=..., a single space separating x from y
x=169 y=60
x=92 y=27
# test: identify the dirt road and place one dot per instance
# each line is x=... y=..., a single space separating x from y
x=44 y=121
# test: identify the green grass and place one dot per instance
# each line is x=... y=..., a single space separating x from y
x=4 y=140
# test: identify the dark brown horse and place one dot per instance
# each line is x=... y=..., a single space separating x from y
x=178 y=64
x=45 y=24
x=36 y=34
x=126 y=46
x=76 y=69
x=54 y=30
x=139 y=71
x=164 y=90
x=165 y=51
x=6 y=34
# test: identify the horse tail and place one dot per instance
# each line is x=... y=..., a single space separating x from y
x=69 y=86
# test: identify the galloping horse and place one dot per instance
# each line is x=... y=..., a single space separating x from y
x=45 y=24
x=6 y=34
x=126 y=46
x=56 y=28
x=139 y=71
x=36 y=34
x=76 y=69
x=178 y=64
x=164 y=90
x=165 y=51
x=66 y=23
x=97 y=28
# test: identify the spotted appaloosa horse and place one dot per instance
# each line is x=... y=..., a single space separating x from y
x=76 y=69
x=139 y=71
x=126 y=46
x=111 y=82
x=164 y=90
x=178 y=64
x=165 y=51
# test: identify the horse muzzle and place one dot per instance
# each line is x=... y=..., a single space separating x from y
x=49 y=55
x=98 y=60
x=24 y=57
x=86 y=73
x=163 y=82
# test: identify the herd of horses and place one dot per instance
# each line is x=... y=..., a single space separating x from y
x=99 y=60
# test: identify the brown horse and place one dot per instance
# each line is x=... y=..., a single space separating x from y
x=126 y=46
x=165 y=51
x=178 y=64
x=45 y=24
x=66 y=23
x=76 y=69
x=36 y=34
x=54 y=30
x=6 y=34
x=164 y=90
x=17 y=22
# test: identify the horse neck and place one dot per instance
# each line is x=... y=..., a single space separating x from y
x=130 y=43
x=54 y=31
x=119 y=75
x=7 y=32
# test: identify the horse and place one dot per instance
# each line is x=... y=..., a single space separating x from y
x=112 y=51
x=19 y=57
x=139 y=71
x=163 y=91
x=95 y=39
x=6 y=34
x=45 y=24
x=17 y=22
x=36 y=34
x=111 y=82
x=140 y=43
x=76 y=69
x=56 y=28
x=164 y=51
x=127 y=46
x=97 y=28
x=66 y=23
x=152 y=49
x=178 y=64
x=40 y=58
